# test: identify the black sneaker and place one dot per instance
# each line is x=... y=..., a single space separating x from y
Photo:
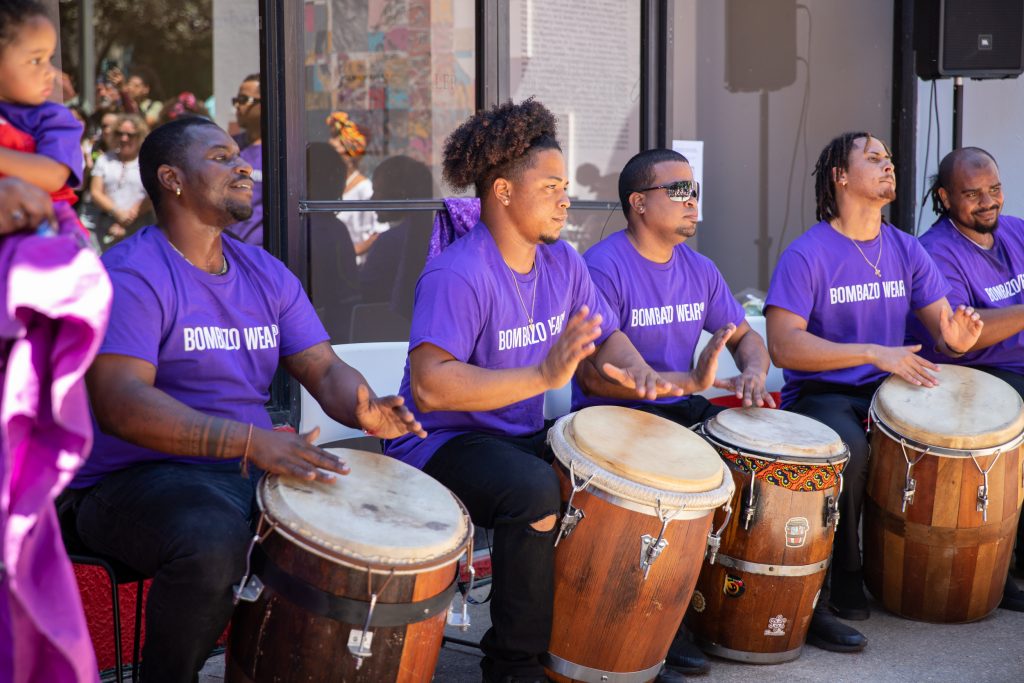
x=829 y=633
x=686 y=658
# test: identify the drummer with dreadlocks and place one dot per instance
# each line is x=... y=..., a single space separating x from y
x=836 y=316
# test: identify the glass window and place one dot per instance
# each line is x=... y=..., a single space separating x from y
x=386 y=81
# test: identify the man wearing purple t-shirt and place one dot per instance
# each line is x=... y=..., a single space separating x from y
x=981 y=253
x=248 y=113
x=836 y=314
x=198 y=327
x=505 y=313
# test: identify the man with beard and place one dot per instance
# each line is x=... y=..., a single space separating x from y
x=197 y=329
x=836 y=313
x=981 y=253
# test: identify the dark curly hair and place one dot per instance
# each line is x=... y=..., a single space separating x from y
x=835 y=155
x=14 y=14
x=975 y=156
x=496 y=143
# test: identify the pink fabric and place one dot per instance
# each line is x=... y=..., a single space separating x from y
x=56 y=302
x=457 y=218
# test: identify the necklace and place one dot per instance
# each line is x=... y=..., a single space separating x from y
x=874 y=266
x=536 y=285
x=223 y=256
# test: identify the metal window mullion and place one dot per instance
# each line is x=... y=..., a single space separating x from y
x=492 y=53
x=656 y=40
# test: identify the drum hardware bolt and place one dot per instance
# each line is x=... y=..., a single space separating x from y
x=572 y=515
x=983 y=489
x=908 y=493
x=461 y=618
x=832 y=512
x=650 y=549
x=750 y=507
x=359 y=641
x=250 y=587
x=715 y=537
x=910 y=486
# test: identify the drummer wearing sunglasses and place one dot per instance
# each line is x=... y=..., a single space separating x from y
x=665 y=295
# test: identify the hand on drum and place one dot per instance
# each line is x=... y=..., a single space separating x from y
x=748 y=386
x=385 y=416
x=644 y=379
x=703 y=374
x=904 y=361
x=960 y=329
x=294 y=455
x=574 y=344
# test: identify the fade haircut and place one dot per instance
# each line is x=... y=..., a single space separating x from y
x=497 y=143
x=14 y=14
x=836 y=155
x=975 y=156
x=167 y=144
x=639 y=172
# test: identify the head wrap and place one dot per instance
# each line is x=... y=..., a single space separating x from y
x=347 y=134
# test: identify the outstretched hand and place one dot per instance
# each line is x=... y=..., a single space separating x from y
x=574 y=344
x=294 y=455
x=648 y=384
x=960 y=329
x=385 y=416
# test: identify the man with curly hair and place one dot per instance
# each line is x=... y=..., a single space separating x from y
x=501 y=316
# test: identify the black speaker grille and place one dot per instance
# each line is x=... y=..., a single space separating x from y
x=982 y=35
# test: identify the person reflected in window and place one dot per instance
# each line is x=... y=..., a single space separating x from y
x=117 y=195
x=248 y=110
x=396 y=258
x=349 y=141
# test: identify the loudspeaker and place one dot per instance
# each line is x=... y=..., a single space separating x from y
x=971 y=38
x=760 y=44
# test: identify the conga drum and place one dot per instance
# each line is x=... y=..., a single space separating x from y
x=639 y=492
x=943 y=496
x=754 y=600
x=352 y=579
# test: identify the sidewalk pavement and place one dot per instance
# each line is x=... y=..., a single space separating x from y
x=987 y=651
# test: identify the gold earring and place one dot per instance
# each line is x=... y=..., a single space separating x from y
x=177 y=192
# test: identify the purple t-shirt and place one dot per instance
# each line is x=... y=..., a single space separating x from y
x=250 y=230
x=662 y=307
x=57 y=133
x=215 y=339
x=982 y=278
x=824 y=279
x=467 y=304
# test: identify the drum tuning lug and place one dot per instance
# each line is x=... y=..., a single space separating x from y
x=983 y=502
x=908 y=493
x=748 y=513
x=832 y=512
x=650 y=549
x=459 y=618
x=359 y=642
x=249 y=590
x=714 y=544
x=570 y=519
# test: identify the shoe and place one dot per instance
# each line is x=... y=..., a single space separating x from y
x=686 y=658
x=846 y=596
x=829 y=633
x=503 y=672
x=669 y=675
x=1013 y=597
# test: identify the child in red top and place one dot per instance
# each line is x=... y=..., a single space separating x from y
x=39 y=139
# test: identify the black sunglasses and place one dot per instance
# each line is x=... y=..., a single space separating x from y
x=679 y=191
x=125 y=134
x=244 y=100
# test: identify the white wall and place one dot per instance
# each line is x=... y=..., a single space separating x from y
x=991 y=120
x=236 y=51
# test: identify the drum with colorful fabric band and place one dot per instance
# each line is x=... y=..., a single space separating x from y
x=639 y=494
x=352 y=579
x=944 y=494
x=754 y=601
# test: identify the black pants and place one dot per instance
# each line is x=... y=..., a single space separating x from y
x=1015 y=380
x=507 y=483
x=187 y=526
x=844 y=408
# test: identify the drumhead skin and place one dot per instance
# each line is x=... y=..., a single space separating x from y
x=383 y=513
x=646 y=449
x=789 y=436
x=969 y=410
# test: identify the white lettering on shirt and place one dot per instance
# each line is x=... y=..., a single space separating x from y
x=867 y=291
x=1006 y=290
x=519 y=337
x=666 y=315
x=212 y=338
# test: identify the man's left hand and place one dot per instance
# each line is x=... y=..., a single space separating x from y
x=647 y=383
x=386 y=416
x=960 y=329
x=749 y=387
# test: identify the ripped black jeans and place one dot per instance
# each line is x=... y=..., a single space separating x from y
x=507 y=483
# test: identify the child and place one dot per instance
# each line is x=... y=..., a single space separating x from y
x=39 y=139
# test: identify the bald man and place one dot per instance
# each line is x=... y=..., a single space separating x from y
x=981 y=253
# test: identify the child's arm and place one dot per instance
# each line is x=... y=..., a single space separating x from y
x=40 y=170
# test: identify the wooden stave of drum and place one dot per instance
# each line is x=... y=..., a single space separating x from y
x=694 y=540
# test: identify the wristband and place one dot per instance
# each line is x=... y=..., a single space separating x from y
x=245 y=454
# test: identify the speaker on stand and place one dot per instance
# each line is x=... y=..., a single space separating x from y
x=979 y=39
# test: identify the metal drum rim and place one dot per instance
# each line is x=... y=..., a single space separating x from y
x=943 y=451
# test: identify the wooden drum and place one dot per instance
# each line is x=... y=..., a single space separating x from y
x=754 y=600
x=639 y=492
x=944 y=494
x=352 y=580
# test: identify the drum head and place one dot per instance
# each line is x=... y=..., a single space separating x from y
x=969 y=410
x=791 y=437
x=383 y=512
x=646 y=449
